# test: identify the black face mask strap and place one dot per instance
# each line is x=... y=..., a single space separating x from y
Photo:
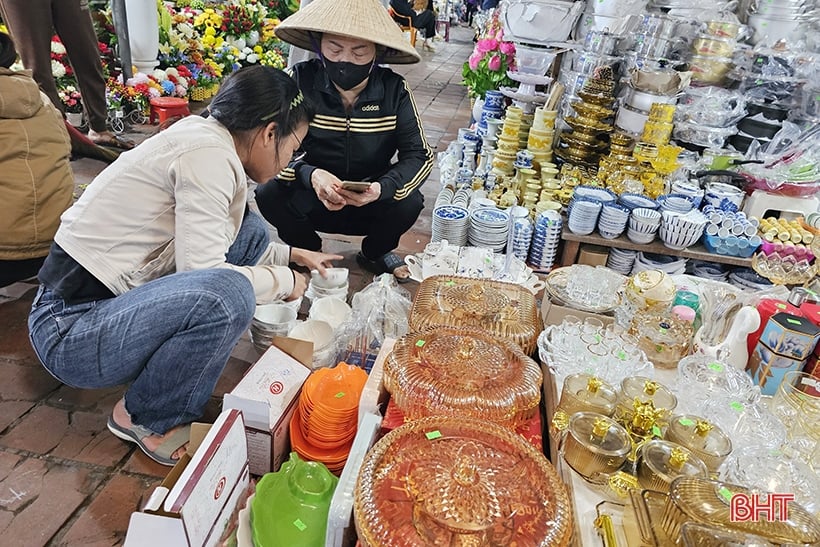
x=316 y=46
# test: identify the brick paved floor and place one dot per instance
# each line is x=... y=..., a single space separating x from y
x=64 y=479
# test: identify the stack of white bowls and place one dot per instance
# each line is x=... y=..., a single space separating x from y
x=643 y=225
x=334 y=284
x=675 y=203
x=612 y=221
x=272 y=320
x=680 y=230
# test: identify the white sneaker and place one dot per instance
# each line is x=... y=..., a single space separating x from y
x=428 y=46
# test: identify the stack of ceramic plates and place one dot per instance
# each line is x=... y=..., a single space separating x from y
x=676 y=203
x=324 y=424
x=522 y=232
x=489 y=228
x=672 y=265
x=612 y=221
x=462 y=196
x=444 y=197
x=583 y=215
x=708 y=270
x=450 y=222
x=595 y=192
x=748 y=280
x=545 y=239
x=634 y=201
x=621 y=260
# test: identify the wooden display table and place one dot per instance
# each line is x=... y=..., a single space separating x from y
x=572 y=243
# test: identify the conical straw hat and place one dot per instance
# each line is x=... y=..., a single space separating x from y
x=366 y=19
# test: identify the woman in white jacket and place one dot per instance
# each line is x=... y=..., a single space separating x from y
x=156 y=270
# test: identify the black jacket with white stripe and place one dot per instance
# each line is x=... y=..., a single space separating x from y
x=361 y=144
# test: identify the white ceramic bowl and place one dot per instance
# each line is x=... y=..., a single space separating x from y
x=313 y=330
x=630 y=120
x=334 y=278
x=333 y=311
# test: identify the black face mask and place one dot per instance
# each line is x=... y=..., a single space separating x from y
x=347 y=75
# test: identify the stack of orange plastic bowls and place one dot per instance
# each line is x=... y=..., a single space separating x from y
x=324 y=425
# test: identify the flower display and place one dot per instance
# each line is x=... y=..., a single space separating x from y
x=487 y=66
x=71 y=99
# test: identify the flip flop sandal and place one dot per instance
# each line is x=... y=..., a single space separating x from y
x=164 y=451
x=387 y=263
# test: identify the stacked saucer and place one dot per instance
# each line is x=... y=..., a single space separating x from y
x=612 y=221
x=583 y=215
x=621 y=260
x=748 y=280
x=488 y=228
x=324 y=424
x=445 y=196
x=709 y=270
x=676 y=203
x=545 y=239
x=634 y=201
x=450 y=222
x=462 y=196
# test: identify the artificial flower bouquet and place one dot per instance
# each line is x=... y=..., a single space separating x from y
x=71 y=99
x=487 y=66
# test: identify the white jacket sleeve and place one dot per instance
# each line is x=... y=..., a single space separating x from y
x=210 y=197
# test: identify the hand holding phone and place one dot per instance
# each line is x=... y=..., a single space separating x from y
x=355 y=186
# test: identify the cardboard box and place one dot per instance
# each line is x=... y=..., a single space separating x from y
x=553 y=314
x=593 y=255
x=768 y=367
x=196 y=500
x=268 y=395
x=790 y=335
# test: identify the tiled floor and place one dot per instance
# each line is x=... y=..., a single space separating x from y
x=64 y=479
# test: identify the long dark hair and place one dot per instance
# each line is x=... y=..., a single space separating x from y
x=255 y=96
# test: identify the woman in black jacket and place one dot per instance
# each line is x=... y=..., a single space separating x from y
x=365 y=116
x=424 y=19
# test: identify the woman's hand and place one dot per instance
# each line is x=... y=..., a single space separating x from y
x=357 y=199
x=325 y=184
x=299 y=287
x=313 y=260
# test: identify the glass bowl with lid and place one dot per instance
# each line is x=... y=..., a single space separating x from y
x=701 y=378
x=644 y=390
x=584 y=392
x=707 y=441
x=595 y=444
x=661 y=462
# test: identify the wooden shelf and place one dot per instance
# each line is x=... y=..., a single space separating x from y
x=572 y=244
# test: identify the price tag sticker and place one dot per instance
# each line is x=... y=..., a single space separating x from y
x=717 y=367
x=810 y=382
x=420 y=343
x=621 y=355
x=340 y=395
x=450 y=283
x=686 y=422
x=725 y=493
x=736 y=406
x=793 y=321
x=432 y=435
x=656 y=431
x=300 y=525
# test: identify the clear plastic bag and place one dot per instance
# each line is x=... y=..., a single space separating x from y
x=711 y=106
x=380 y=311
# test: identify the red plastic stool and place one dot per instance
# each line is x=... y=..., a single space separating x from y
x=163 y=108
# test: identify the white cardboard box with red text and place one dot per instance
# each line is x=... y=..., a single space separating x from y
x=268 y=395
x=196 y=500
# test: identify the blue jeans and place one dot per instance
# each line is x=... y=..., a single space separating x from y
x=169 y=338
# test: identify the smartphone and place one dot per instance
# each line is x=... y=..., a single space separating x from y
x=355 y=186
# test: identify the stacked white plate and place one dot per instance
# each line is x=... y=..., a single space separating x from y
x=545 y=239
x=489 y=228
x=444 y=197
x=450 y=222
x=596 y=193
x=621 y=260
x=583 y=215
x=462 y=196
x=634 y=201
x=670 y=264
x=612 y=221
x=676 y=203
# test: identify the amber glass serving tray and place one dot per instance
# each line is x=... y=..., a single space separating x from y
x=463 y=372
x=459 y=482
x=502 y=309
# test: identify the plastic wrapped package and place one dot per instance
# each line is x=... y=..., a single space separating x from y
x=380 y=311
x=792 y=163
x=710 y=137
x=711 y=106
x=778 y=89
